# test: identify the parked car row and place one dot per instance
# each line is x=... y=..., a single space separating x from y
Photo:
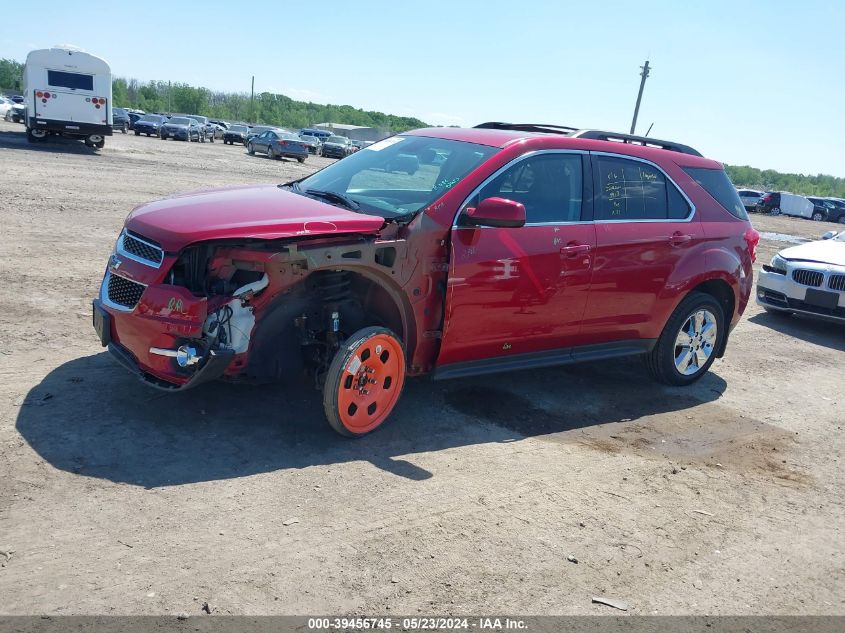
x=814 y=208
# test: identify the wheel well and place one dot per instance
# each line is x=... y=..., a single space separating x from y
x=359 y=302
x=723 y=293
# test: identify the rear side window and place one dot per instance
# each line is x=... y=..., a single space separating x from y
x=718 y=185
x=74 y=81
x=633 y=190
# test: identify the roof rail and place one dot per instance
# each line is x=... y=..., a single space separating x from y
x=636 y=140
x=528 y=127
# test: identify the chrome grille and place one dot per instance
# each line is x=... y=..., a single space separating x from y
x=124 y=292
x=837 y=282
x=142 y=249
x=808 y=277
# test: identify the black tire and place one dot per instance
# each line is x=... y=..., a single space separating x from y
x=660 y=361
x=841 y=219
x=818 y=216
x=125 y=128
x=250 y=149
x=774 y=211
x=301 y=160
x=337 y=373
x=271 y=153
x=137 y=133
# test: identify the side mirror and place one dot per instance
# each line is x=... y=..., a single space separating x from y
x=498 y=212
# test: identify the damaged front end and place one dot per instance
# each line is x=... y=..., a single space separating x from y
x=159 y=317
x=256 y=310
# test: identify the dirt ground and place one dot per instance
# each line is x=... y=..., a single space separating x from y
x=721 y=498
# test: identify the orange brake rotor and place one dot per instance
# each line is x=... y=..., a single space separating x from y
x=371 y=383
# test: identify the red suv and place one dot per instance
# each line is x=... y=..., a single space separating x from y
x=493 y=249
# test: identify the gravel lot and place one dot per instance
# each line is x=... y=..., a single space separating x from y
x=721 y=498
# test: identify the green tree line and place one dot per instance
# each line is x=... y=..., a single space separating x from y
x=771 y=180
x=267 y=108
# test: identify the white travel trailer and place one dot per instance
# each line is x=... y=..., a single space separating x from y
x=67 y=92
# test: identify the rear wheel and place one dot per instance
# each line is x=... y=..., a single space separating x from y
x=818 y=216
x=250 y=149
x=125 y=128
x=364 y=381
x=841 y=219
x=301 y=159
x=33 y=135
x=271 y=153
x=137 y=133
x=775 y=211
x=687 y=346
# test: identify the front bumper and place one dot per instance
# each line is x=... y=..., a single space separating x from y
x=212 y=366
x=782 y=292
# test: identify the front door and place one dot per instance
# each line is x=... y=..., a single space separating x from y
x=522 y=290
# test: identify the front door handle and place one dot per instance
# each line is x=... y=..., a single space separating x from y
x=677 y=238
x=573 y=250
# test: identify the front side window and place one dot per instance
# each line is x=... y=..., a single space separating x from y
x=399 y=175
x=74 y=81
x=550 y=187
x=633 y=190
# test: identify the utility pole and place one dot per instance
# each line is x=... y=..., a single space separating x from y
x=252 y=101
x=644 y=75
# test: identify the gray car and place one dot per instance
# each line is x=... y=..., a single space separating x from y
x=182 y=129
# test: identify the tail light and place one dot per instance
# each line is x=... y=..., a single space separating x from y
x=752 y=238
x=283 y=142
x=39 y=94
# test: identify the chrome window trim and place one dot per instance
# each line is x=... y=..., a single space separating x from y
x=104 y=293
x=504 y=168
x=509 y=164
x=147 y=262
x=692 y=206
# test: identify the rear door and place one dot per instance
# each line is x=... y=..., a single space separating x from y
x=522 y=290
x=645 y=226
x=69 y=96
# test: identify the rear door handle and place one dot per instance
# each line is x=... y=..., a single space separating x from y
x=678 y=238
x=573 y=250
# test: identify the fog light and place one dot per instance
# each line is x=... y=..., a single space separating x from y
x=186 y=356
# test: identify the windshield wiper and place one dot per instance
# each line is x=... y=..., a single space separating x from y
x=333 y=196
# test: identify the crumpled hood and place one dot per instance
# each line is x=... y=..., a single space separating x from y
x=250 y=211
x=824 y=251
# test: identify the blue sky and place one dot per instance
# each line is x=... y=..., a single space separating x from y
x=757 y=83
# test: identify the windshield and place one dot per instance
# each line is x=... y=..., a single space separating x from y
x=288 y=136
x=238 y=128
x=337 y=139
x=309 y=139
x=399 y=175
x=179 y=121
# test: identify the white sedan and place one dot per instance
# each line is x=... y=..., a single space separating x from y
x=5 y=106
x=806 y=279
